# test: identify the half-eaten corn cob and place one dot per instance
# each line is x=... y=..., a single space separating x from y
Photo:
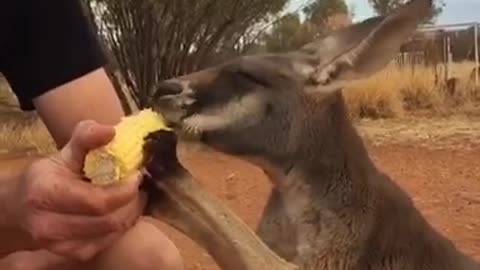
x=120 y=157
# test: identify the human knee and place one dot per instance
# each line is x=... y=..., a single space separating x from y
x=156 y=252
x=144 y=247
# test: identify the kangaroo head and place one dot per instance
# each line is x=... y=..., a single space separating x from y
x=256 y=105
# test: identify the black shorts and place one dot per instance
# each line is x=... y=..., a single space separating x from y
x=44 y=44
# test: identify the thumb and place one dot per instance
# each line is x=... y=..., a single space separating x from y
x=86 y=136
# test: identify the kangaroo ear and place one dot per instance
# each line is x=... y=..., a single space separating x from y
x=361 y=49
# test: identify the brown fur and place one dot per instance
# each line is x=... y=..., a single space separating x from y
x=330 y=208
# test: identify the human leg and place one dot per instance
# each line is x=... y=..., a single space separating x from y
x=143 y=247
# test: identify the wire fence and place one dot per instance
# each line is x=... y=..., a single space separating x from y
x=439 y=46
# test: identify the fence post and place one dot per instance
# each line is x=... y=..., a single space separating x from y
x=449 y=59
x=477 y=67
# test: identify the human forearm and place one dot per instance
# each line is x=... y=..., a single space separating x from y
x=12 y=236
x=90 y=97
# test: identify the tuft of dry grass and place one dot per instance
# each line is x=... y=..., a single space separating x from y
x=7 y=98
x=25 y=134
x=376 y=97
x=395 y=91
x=20 y=132
x=420 y=91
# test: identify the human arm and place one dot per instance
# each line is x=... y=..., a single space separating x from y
x=60 y=125
x=56 y=66
x=57 y=69
x=91 y=96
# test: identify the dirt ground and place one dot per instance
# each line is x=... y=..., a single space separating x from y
x=438 y=169
x=434 y=160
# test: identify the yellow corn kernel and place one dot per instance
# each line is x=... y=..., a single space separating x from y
x=120 y=157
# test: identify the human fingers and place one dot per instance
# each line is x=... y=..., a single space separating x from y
x=45 y=260
x=86 y=248
x=50 y=227
x=86 y=136
x=35 y=260
x=61 y=195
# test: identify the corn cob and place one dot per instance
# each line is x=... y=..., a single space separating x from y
x=120 y=157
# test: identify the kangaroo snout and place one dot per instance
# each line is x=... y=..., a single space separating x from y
x=174 y=100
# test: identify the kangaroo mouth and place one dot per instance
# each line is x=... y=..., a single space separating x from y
x=190 y=119
x=177 y=117
x=186 y=129
x=192 y=125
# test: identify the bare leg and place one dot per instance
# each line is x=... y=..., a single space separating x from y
x=143 y=247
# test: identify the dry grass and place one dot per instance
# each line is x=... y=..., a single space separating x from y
x=25 y=134
x=395 y=91
x=20 y=132
x=432 y=132
x=378 y=96
x=6 y=96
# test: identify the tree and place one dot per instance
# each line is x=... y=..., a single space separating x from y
x=151 y=40
x=321 y=16
x=383 y=7
x=288 y=33
x=320 y=12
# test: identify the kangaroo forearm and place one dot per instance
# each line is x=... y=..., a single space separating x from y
x=190 y=209
x=13 y=238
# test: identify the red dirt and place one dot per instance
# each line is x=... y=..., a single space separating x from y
x=445 y=185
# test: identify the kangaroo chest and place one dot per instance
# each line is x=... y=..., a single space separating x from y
x=299 y=226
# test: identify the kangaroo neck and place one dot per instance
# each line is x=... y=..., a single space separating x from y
x=333 y=158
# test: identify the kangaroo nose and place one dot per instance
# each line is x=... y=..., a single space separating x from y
x=174 y=100
x=177 y=93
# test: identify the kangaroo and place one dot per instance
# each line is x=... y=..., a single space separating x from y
x=330 y=208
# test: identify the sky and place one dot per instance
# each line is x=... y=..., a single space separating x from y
x=455 y=11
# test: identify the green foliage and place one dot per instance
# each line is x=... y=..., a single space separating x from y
x=290 y=32
x=383 y=7
x=319 y=11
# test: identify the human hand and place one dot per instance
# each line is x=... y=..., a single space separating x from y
x=67 y=215
x=37 y=260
